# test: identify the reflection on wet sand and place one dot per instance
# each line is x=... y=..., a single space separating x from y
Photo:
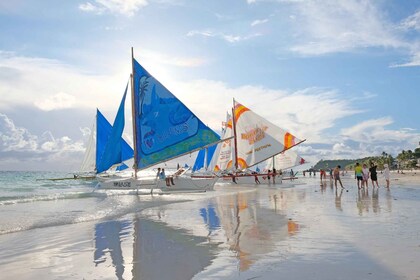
x=338 y=194
x=161 y=252
x=165 y=246
x=365 y=202
x=252 y=231
x=108 y=240
x=375 y=200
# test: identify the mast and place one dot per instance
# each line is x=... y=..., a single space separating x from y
x=274 y=163
x=234 y=136
x=133 y=115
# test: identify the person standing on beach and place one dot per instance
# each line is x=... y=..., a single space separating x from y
x=386 y=174
x=373 y=174
x=358 y=174
x=336 y=174
x=365 y=174
x=323 y=175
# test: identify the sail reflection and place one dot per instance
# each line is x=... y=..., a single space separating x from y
x=251 y=231
x=247 y=226
x=162 y=252
x=108 y=237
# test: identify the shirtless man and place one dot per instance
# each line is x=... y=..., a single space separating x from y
x=336 y=174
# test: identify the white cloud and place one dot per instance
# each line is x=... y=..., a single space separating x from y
x=227 y=37
x=413 y=61
x=341 y=26
x=59 y=101
x=15 y=138
x=88 y=7
x=19 y=146
x=49 y=84
x=124 y=7
x=412 y=22
x=258 y=22
x=374 y=132
x=160 y=58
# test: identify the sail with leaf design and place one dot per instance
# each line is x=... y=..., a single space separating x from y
x=165 y=127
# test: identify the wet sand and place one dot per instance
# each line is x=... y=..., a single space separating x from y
x=307 y=231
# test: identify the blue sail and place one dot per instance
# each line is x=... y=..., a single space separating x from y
x=103 y=130
x=165 y=127
x=113 y=152
x=199 y=161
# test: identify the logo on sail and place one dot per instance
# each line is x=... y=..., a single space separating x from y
x=254 y=135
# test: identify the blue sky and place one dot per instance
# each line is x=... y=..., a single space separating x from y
x=342 y=74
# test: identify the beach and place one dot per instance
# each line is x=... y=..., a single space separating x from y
x=290 y=231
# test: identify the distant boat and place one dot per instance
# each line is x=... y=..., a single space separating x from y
x=163 y=129
x=255 y=140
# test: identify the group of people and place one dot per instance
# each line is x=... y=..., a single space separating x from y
x=362 y=174
x=169 y=180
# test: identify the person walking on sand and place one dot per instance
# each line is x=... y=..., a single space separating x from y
x=322 y=175
x=365 y=174
x=336 y=174
x=386 y=174
x=358 y=174
x=373 y=174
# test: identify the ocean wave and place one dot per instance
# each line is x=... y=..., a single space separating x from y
x=8 y=200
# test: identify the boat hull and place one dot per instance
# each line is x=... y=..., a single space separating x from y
x=181 y=183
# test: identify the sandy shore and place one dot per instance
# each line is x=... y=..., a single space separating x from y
x=307 y=231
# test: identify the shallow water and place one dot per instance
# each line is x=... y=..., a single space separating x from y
x=235 y=232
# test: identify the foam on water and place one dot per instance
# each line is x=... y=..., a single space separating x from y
x=29 y=201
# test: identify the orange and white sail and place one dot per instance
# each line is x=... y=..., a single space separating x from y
x=257 y=139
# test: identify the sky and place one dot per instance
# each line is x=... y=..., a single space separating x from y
x=344 y=75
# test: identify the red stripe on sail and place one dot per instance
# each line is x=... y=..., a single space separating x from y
x=239 y=110
x=289 y=140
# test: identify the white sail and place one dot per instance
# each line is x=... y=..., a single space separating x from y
x=223 y=156
x=285 y=160
x=89 y=160
x=258 y=139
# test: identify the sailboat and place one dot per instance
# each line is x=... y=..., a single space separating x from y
x=163 y=129
x=106 y=148
x=255 y=140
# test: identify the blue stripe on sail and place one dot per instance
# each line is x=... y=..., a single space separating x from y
x=165 y=127
x=113 y=148
x=199 y=161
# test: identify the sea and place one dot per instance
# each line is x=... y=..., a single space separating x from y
x=31 y=200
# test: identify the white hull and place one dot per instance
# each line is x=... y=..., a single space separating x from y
x=182 y=183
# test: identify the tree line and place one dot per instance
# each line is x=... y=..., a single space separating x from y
x=404 y=160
